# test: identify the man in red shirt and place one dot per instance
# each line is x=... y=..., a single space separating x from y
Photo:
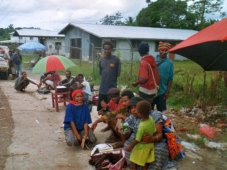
x=51 y=80
x=148 y=74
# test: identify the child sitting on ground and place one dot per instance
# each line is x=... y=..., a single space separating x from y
x=114 y=119
x=130 y=125
x=120 y=108
x=113 y=105
x=104 y=108
x=114 y=102
x=118 y=121
x=142 y=154
x=77 y=118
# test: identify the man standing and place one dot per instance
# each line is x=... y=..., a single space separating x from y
x=148 y=74
x=17 y=58
x=109 y=69
x=165 y=71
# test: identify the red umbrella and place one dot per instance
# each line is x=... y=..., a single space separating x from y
x=208 y=47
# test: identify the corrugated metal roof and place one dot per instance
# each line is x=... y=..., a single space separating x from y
x=37 y=33
x=133 y=32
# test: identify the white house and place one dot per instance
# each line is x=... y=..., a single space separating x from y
x=51 y=39
x=85 y=40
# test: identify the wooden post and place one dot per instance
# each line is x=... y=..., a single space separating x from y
x=225 y=78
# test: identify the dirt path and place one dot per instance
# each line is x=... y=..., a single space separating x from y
x=38 y=139
x=6 y=127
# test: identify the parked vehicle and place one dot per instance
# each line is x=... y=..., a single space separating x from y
x=4 y=48
x=4 y=62
x=4 y=68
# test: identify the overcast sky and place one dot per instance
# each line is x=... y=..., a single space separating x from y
x=56 y=14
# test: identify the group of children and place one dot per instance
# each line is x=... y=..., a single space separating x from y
x=116 y=114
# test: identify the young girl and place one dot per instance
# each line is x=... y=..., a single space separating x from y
x=77 y=118
x=142 y=154
x=104 y=108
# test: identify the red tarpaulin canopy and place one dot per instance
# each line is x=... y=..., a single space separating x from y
x=208 y=47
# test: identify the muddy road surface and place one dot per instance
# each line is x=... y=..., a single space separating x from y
x=32 y=138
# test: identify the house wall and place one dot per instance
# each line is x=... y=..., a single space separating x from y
x=127 y=52
x=23 y=39
x=14 y=38
x=52 y=47
x=91 y=45
x=75 y=33
x=123 y=49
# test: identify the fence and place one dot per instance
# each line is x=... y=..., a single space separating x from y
x=90 y=60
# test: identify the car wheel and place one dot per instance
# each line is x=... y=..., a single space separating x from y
x=5 y=76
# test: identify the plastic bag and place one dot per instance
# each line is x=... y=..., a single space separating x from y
x=207 y=131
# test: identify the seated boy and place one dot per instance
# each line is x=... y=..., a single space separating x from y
x=114 y=118
x=114 y=104
x=51 y=80
x=85 y=86
x=123 y=113
x=67 y=82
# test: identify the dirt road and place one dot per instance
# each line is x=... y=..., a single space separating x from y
x=38 y=140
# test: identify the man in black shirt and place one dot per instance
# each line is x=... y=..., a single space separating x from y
x=109 y=69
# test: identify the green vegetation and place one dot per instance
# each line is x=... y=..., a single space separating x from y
x=188 y=14
x=194 y=86
x=4 y=32
x=191 y=84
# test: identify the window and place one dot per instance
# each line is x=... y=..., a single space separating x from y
x=31 y=38
x=76 y=42
x=135 y=43
x=57 y=45
x=75 y=49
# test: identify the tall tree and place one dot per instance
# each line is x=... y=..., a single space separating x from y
x=206 y=11
x=4 y=32
x=130 y=21
x=164 y=13
x=115 y=19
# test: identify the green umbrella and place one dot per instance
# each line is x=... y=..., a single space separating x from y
x=52 y=63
